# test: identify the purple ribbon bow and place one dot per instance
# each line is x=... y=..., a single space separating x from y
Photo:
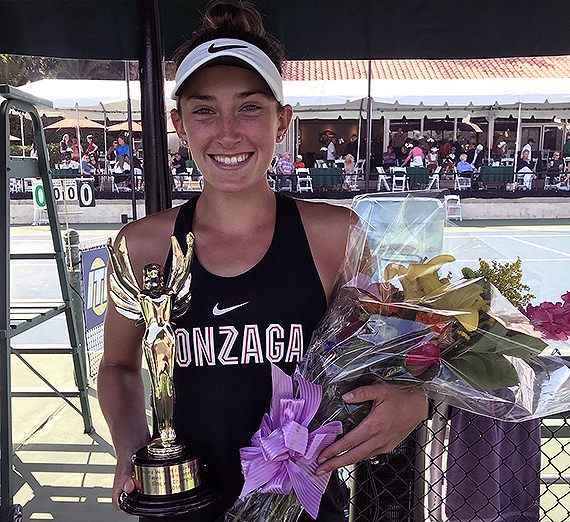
x=284 y=454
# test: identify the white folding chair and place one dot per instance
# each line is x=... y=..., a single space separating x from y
x=507 y=162
x=271 y=182
x=359 y=168
x=434 y=178
x=452 y=205
x=304 y=181
x=382 y=179
x=462 y=183
x=399 y=179
x=321 y=164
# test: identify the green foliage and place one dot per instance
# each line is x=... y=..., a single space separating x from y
x=506 y=277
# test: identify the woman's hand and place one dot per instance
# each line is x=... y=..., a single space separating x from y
x=396 y=411
x=123 y=481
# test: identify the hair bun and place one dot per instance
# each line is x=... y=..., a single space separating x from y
x=237 y=16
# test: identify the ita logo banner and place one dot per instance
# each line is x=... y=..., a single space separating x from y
x=94 y=263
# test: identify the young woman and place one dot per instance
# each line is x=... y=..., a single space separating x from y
x=65 y=147
x=264 y=268
x=416 y=155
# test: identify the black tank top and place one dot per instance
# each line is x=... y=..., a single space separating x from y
x=234 y=328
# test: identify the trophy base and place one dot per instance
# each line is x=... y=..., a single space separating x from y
x=170 y=483
x=136 y=503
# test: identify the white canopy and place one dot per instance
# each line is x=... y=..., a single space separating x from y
x=329 y=99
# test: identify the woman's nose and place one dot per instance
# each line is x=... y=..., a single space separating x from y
x=228 y=131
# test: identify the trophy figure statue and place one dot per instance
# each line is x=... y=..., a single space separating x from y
x=167 y=473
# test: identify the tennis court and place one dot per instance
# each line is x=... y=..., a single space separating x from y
x=67 y=475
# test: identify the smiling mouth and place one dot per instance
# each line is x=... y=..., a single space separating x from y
x=231 y=160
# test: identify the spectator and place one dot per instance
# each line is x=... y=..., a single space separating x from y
x=76 y=149
x=416 y=155
x=284 y=167
x=331 y=150
x=299 y=163
x=377 y=148
x=349 y=182
x=449 y=161
x=444 y=149
x=112 y=152
x=525 y=162
x=93 y=161
x=525 y=166
x=178 y=166
x=528 y=147
x=68 y=163
x=556 y=164
x=398 y=141
x=65 y=147
x=389 y=158
x=352 y=146
x=499 y=150
x=433 y=159
x=86 y=167
x=92 y=147
x=475 y=156
x=122 y=147
x=123 y=165
x=463 y=166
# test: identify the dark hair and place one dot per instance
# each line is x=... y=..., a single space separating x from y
x=238 y=19
x=415 y=143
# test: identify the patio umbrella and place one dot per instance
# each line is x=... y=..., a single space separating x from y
x=72 y=123
x=124 y=126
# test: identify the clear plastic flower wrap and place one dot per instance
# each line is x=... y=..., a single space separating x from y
x=405 y=311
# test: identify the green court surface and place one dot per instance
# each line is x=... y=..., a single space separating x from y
x=67 y=475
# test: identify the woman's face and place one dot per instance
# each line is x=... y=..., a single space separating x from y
x=231 y=122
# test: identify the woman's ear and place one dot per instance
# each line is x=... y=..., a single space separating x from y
x=285 y=116
x=176 y=118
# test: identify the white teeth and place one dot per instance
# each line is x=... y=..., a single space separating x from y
x=231 y=160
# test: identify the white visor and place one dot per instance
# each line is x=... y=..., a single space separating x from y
x=243 y=51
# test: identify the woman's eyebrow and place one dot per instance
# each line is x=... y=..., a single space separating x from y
x=201 y=97
x=247 y=94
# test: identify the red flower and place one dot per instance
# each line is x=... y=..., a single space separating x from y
x=551 y=319
x=420 y=358
x=378 y=295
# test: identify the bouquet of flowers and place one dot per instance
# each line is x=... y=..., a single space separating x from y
x=396 y=317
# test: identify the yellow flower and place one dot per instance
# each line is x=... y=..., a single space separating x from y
x=423 y=287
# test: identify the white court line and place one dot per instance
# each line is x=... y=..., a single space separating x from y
x=511 y=260
x=509 y=234
x=539 y=246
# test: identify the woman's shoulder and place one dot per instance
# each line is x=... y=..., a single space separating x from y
x=148 y=238
x=327 y=228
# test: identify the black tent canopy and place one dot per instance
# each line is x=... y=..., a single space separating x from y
x=148 y=30
x=310 y=29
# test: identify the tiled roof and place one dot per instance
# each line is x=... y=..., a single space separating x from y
x=525 y=67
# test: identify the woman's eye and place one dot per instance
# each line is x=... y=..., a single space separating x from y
x=202 y=111
x=251 y=107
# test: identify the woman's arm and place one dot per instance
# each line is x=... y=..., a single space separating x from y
x=119 y=386
x=396 y=410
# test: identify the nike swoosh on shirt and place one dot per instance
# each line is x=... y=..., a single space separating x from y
x=222 y=311
x=216 y=49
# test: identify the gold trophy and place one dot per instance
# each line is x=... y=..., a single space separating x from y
x=167 y=472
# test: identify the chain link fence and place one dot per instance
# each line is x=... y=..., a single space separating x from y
x=460 y=467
